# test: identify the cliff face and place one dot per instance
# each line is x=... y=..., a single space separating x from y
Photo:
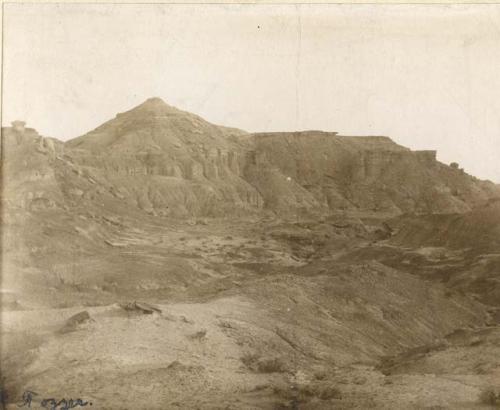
x=365 y=173
x=169 y=162
x=28 y=169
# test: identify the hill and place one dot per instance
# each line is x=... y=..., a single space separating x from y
x=366 y=173
x=168 y=162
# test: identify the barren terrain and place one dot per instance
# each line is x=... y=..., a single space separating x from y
x=162 y=262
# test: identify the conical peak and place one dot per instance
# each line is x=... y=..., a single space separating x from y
x=154 y=101
x=155 y=106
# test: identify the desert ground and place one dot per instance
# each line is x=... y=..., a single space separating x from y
x=162 y=262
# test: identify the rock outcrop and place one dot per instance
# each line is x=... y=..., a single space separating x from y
x=365 y=173
x=168 y=162
x=28 y=168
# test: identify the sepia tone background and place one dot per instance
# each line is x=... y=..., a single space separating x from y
x=422 y=74
x=156 y=257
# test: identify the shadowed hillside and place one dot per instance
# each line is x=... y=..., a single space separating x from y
x=169 y=162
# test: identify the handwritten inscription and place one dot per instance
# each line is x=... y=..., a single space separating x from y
x=52 y=404
x=63 y=404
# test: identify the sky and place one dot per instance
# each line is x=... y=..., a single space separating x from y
x=428 y=76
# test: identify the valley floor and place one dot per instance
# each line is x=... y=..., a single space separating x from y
x=255 y=314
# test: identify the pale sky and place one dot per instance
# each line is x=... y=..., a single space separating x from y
x=428 y=76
